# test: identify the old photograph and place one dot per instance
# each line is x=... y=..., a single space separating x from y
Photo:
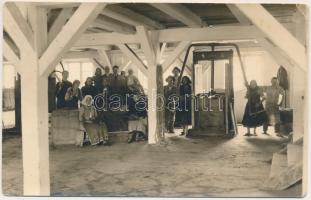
x=154 y=99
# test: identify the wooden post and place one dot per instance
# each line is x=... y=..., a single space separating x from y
x=151 y=51
x=34 y=100
x=34 y=128
x=17 y=93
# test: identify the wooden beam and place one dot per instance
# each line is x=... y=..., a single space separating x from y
x=53 y=5
x=124 y=67
x=8 y=52
x=181 y=13
x=17 y=27
x=130 y=17
x=81 y=54
x=208 y=33
x=101 y=39
x=59 y=22
x=173 y=35
x=113 y=25
x=276 y=54
x=77 y=24
x=276 y=32
x=188 y=68
x=133 y=57
x=103 y=55
x=175 y=54
x=238 y=15
x=146 y=45
x=163 y=48
x=303 y=9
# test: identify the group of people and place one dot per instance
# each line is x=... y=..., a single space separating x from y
x=256 y=114
x=177 y=99
x=69 y=94
x=177 y=95
x=92 y=123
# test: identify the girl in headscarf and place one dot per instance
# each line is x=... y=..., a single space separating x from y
x=73 y=95
x=184 y=110
x=97 y=132
x=254 y=115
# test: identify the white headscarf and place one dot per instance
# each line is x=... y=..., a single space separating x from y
x=84 y=101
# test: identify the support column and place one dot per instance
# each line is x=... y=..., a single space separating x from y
x=151 y=47
x=34 y=102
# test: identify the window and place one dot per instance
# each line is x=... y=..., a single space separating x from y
x=77 y=70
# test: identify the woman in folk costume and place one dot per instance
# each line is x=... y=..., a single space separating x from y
x=73 y=95
x=97 y=132
x=254 y=115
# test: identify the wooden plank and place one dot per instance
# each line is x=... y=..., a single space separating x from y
x=77 y=24
x=136 y=61
x=181 y=13
x=130 y=17
x=276 y=32
x=17 y=27
x=59 y=22
x=113 y=25
x=175 y=54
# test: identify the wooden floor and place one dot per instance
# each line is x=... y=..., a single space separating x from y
x=181 y=168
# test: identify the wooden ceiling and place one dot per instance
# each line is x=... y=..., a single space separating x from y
x=210 y=14
x=123 y=17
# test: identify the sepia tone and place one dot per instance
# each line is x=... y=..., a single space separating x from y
x=154 y=99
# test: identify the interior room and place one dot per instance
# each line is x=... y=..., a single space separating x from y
x=221 y=48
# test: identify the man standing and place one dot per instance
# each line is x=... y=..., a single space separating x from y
x=97 y=78
x=61 y=90
x=176 y=74
x=115 y=80
x=170 y=103
x=274 y=97
x=107 y=72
